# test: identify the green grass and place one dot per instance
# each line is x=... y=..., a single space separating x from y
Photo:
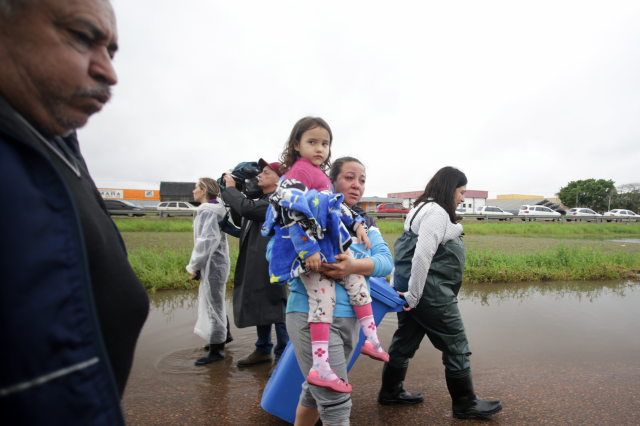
x=163 y=268
x=550 y=228
x=149 y=224
x=390 y=226
x=154 y=224
x=159 y=250
x=528 y=228
x=560 y=263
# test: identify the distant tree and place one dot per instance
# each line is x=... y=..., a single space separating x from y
x=628 y=197
x=591 y=193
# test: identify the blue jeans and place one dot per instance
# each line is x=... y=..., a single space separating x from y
x=264 y=344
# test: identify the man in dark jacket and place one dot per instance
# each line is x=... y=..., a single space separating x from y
x=255 y=300
x=71 y=307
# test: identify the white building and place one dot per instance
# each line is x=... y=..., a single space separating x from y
x=473 y=199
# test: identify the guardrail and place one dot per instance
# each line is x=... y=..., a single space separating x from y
x=403 y=216
x=562 y=219
x=152 y=211
x=523 y=218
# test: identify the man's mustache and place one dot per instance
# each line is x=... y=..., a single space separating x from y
x=101 y=92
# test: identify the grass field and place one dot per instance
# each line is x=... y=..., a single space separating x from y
x=154 y=224
x=528 y=228
x=159 y=250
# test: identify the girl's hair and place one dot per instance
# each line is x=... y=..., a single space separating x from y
x=336 y=167
x=290 y=155
x=442 y=188
x=211 y=186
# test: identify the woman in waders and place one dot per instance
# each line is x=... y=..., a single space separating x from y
x=429 y=263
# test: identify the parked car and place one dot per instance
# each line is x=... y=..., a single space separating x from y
x=529 y=210
x=392 y=208
x=622 y=214
x=493 y=211
x=461 y=210
x=176 y=206
x=580 y=214
x=123 y=207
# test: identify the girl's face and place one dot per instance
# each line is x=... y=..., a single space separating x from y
x=459 y=194
x=199 y=194
x=314 y=145
x=351 y=182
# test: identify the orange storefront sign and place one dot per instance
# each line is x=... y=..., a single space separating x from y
x=130 y=194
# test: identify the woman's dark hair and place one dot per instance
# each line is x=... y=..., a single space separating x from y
x=336 y=167
x=290 y=155
x=442 y=188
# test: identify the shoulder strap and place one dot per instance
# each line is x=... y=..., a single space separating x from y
x=416 y=213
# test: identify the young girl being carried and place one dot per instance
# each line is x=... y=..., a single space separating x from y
x=311 y=225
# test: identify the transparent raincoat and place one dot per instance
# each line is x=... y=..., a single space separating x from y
x=211 y=257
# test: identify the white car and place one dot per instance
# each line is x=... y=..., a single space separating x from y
x=622 y=214
x=493 y=211
x=529 y=210
x=176 y=206
x=580 y=214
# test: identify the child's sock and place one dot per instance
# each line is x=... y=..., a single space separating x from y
x=365 y=317
x=320 y=348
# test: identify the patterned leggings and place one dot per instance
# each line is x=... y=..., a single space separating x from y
x=322 y=294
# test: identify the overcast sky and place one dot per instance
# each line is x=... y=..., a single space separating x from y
x=522 y=96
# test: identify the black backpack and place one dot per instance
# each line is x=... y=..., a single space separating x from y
x=404 y=249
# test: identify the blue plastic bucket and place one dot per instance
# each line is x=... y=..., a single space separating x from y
x=282 y=393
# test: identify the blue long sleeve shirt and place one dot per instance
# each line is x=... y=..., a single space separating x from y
x=298 y=300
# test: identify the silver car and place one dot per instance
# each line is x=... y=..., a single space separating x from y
x=580 y=214
x=618 y=214
x=493 y=211
x=529 y=210
x=176 y=207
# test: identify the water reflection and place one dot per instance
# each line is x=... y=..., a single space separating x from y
x=539 y=336
x=578 y=290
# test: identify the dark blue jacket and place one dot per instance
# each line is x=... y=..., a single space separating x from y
x=54 y=367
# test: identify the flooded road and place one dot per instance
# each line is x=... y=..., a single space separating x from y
x=553 y=353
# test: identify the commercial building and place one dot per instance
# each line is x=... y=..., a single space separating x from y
x=473 y=199
x=138 y=197
x=177 y=191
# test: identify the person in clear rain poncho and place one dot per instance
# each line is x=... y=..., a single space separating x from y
x=210 y=258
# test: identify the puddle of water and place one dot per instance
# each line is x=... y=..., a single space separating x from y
x=627 y=240
x=566 y=322
x=526 y=328
x=571 y=320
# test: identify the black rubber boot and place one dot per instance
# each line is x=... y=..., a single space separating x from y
x=392 y=392
x=216 y=353
x=465 y=403
x=229 y=337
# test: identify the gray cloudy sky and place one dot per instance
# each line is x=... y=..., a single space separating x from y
x=522 y=96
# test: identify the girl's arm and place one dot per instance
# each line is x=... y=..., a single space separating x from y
x=433 y=225
x=208 y=237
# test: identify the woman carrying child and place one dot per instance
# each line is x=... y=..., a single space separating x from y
x=348 y=177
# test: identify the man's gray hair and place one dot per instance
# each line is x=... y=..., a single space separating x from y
x=9 y=8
